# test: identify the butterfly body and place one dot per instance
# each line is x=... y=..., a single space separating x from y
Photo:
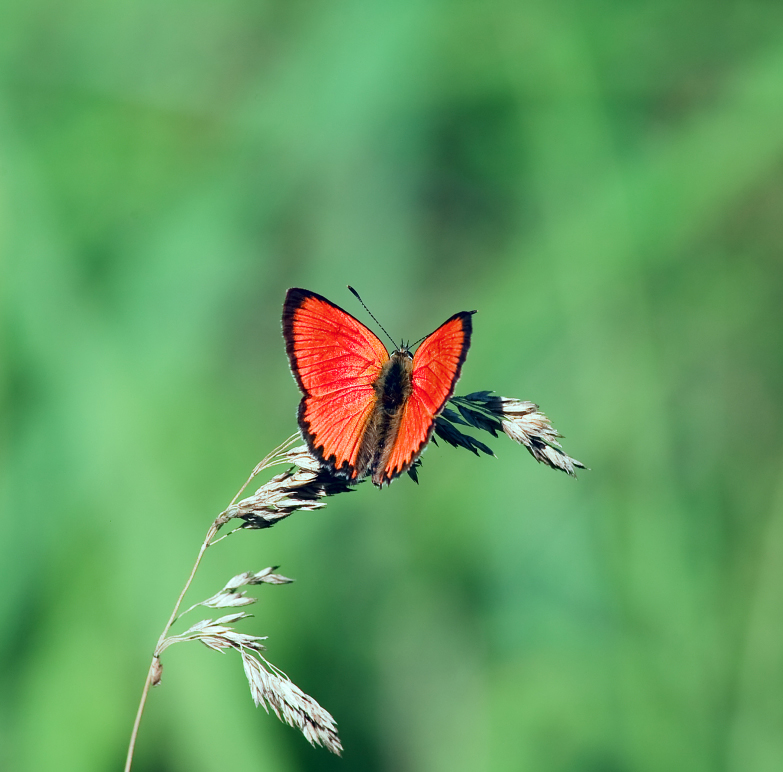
x=365 y=412
x=393 y=389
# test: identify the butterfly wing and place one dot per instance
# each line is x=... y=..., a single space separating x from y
x=335 y=360
x=437 y=364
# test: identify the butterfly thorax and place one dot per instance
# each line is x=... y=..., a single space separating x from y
x=393 y=388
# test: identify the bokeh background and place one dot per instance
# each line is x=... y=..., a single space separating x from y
x=602 y=180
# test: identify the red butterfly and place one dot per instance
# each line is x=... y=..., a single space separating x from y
x=365 y=412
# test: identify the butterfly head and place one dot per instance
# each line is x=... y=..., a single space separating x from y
x=404 y=350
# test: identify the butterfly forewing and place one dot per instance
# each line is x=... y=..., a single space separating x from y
x=335 y=360
x=436 y=368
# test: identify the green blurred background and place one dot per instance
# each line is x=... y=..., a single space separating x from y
x=602 y=180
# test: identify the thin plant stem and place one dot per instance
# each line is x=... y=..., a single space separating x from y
x=134 y=733
x=224 y=536
x=154 y=669
x=154 y=665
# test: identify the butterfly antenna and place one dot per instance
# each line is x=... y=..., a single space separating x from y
x=356 y=294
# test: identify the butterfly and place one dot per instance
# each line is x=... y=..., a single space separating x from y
x=365 y=412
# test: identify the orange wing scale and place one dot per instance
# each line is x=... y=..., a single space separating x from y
x=437 y=364
x=335 y=360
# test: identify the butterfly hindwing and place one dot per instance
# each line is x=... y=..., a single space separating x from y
x=436 y=368
x=335 y=360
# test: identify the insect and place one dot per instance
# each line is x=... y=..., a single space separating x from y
x=365 y=412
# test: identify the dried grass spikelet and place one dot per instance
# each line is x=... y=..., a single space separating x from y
x=299 y=488
x=519 y=420
x=269 y=686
